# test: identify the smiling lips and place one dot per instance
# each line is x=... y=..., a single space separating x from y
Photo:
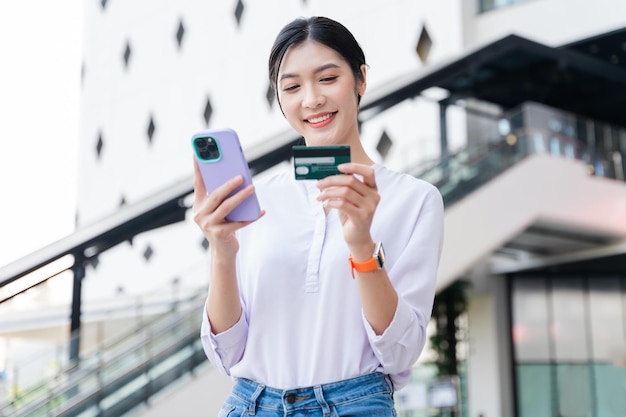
x=318 y=121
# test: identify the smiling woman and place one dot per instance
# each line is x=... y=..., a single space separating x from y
x=319 y=318
x=39 y=109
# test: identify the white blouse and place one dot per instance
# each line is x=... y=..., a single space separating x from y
x=302 y=321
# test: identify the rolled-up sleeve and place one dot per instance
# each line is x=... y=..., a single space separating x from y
x=413 y=275
x=226 y=348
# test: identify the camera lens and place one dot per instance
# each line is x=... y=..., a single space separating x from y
x=201 y=143
x=207 y=148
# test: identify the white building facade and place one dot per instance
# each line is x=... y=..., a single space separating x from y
x=156 y=72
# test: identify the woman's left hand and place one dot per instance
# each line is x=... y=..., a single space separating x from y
x=355 y=197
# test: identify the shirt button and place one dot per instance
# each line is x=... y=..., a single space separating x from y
x=291 y=398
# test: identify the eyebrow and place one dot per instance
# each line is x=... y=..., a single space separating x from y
x=317 y=70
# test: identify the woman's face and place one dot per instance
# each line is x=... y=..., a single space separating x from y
x=318 y=94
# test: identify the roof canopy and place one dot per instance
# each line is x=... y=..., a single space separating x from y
x=513 y=70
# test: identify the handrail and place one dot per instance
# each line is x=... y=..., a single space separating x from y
x=86 y=383
x=462 y=172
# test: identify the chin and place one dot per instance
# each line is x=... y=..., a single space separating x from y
x=321 y=139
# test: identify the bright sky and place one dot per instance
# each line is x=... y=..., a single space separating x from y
x=40 y=60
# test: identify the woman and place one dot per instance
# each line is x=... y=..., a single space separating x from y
x=304 y=309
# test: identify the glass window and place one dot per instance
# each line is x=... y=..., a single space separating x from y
x=607 y=320
x=569 y=329
x=569 y=338
x=534 y=390
x=610 y=381
x=574 y=389
x=530 y=320
x=486 y=5
x=606 y=302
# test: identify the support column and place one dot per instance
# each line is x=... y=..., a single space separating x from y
x=443 y=128
x=79 y=273
x=489 y=371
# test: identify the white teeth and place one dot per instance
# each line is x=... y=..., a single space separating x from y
x=320 y=119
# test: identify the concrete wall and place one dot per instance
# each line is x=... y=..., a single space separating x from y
x=553 y=22
x=497 y=212
x=200 y=395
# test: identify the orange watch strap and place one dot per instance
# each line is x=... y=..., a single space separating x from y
x=367 y=266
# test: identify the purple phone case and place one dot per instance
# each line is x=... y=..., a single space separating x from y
x=230 y=164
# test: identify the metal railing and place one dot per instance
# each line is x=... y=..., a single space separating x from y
x=123 y=372
x=463 y=172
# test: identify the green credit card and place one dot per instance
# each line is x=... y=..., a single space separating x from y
x=317 y=162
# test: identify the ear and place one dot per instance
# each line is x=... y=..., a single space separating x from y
x=361 y=82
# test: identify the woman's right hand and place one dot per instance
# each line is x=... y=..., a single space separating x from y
x=210 y=211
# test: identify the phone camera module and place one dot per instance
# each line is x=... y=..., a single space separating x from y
x=207 y=148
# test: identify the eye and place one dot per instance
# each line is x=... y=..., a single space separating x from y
x=329 y=79
x=290 y=87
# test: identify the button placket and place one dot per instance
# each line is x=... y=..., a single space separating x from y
x=317 y=241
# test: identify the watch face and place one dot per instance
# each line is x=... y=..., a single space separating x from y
x=379 y=254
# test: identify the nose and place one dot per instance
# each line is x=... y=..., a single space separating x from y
x=312 y=97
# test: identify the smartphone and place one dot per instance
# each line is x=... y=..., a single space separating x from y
x=220 y=158
x=317 y=162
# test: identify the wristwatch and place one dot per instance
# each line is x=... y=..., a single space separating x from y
x=372 y=264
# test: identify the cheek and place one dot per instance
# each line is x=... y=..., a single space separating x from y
x=288 y=104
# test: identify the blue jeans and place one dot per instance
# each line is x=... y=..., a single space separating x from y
x=368 y=395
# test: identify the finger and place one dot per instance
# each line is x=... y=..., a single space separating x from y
x=344 y=181
x=239 y=225
x=208 y=217
x=347 y=197
x=211 y=202
x=366 y=172
x=198 y=184
x=227 y=203
x=199 y=189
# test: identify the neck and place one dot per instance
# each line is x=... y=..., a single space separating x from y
x=358 y=155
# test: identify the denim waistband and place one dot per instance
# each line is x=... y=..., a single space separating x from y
x=325 y=395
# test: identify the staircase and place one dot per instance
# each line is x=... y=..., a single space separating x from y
x=523 y=204
x=124 y=372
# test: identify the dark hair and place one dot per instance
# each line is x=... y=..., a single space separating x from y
x=320 y=29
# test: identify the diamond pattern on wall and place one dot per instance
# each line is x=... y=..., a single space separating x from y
x=99 y=145
x=208 y=111
x=127 y=53
x=148 y=253
x=239 y=11
x=122 y=201
x=151 y=129
x=384 y=145
x=180 y=33
x=424 y=43
x=103 y=3
x=205 y=244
